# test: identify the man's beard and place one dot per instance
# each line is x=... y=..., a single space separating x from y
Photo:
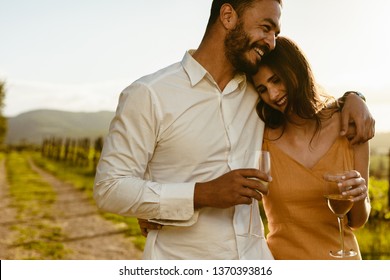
x=237 y=43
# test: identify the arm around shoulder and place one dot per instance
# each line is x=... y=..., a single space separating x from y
x=355 y=110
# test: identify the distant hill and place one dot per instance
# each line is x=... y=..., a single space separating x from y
x=32 y=127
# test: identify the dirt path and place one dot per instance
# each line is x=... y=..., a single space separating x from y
x=88 y=235
x=7 y=217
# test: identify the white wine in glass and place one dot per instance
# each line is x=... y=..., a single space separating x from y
x=340 y=206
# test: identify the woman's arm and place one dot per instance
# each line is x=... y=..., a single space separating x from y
x=360 y=212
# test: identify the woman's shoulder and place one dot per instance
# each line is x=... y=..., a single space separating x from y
x=330 y=126
x=330 y=119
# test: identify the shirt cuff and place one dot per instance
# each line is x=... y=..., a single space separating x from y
x=177 y=202
x=177 y=223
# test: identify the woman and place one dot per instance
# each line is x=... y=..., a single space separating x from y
x=302 y=135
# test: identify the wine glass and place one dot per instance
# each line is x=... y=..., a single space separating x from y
x=340 y=205
x=262 y=161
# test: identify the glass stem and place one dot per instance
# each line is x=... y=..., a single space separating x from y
x=341 y=229
x=251 y=217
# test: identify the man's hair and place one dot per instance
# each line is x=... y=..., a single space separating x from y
x=238 y=5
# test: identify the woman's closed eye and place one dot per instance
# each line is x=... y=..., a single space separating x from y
x=275 y=79
x=261 y=89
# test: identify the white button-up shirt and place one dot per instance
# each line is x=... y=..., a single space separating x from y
x=172 y=129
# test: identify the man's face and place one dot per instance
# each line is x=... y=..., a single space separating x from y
x=254 y=35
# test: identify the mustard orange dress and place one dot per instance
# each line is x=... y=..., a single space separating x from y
x=301 y=226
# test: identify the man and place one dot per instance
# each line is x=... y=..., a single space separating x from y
x=176 y=147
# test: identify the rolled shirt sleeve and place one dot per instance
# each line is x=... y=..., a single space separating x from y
x=168 y=204
x=125 y=183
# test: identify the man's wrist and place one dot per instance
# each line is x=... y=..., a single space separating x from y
x=342 y=99
x=357 y=93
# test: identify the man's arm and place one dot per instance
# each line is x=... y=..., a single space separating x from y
x=120 y=186
x=354 y=110
x=235 y=187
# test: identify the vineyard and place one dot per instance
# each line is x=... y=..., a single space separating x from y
x=49 y=213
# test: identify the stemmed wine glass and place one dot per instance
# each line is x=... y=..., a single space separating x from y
x=262 y=161
x=340 y=205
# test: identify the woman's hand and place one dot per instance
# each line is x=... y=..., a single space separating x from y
x=354 y=185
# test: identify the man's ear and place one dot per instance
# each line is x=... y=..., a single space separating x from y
x=228 y=16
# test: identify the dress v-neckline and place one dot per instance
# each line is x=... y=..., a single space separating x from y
x=315 y=165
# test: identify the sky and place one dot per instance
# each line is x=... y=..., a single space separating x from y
x=78 y=55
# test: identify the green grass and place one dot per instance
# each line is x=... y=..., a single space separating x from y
x=33 y=200
x=373 y=240
x=373 y=237
x=378 y=190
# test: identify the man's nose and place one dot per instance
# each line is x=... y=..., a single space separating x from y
x=271 y=40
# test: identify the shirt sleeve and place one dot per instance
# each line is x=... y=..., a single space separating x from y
x=120 y=186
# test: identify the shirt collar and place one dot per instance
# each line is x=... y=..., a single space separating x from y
x=196 y=72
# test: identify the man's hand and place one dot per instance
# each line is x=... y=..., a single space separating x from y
x=235 y=187
x=356 y=111
x=145 y=226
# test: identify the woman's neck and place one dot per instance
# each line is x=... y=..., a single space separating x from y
x=300 y=126
x=301 y=140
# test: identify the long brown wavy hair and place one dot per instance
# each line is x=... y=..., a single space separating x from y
x=305 y=98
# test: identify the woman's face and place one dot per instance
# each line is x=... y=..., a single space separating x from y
x=270 y=88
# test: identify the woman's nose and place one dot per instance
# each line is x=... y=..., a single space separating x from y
x=273 y=94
